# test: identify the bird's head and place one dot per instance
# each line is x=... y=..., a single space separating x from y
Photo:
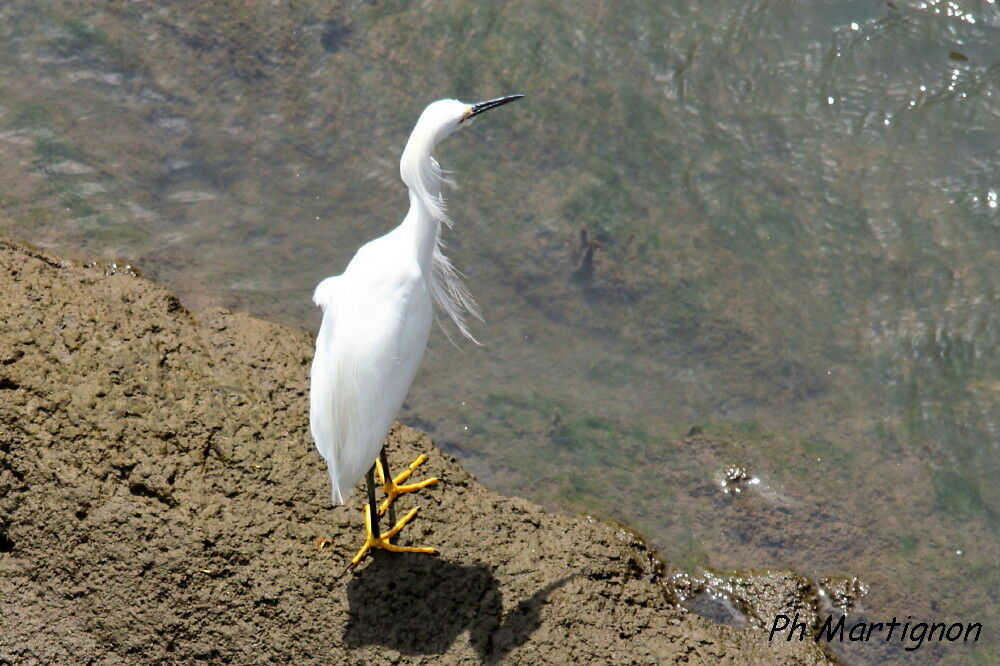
x=444 y=116
x=417 y=167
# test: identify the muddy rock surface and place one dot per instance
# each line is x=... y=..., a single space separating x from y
x=161 y=502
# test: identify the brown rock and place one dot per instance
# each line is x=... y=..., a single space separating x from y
x=161 y=502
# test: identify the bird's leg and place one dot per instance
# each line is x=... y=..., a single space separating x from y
x=392 y=486
x=371 y=527
x=382 y=463
x=371 y=524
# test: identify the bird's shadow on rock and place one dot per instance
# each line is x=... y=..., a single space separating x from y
x=418 y=605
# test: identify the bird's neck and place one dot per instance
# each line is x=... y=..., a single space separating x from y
x=422 y=228
x=423 y=178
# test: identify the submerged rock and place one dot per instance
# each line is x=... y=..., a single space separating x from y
x=161 y=501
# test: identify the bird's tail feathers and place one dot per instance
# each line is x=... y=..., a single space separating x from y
x=337 y=495
x=341 y=428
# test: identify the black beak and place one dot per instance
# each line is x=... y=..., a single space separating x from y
x=492 y=104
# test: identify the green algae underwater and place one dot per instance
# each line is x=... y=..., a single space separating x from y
x=758 y=236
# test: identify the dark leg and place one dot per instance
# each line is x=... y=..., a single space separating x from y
x=372 y=508
x=385 y=471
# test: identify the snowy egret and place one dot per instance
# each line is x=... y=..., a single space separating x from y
x=376 y=321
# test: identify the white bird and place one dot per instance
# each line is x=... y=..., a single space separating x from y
x=376 y=320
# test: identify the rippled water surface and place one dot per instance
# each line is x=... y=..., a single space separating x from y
x=793 y=211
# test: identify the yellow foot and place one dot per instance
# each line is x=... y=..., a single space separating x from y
x=372 y=541
x=392 y=487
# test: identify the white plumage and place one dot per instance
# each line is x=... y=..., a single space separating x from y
x=377 y=315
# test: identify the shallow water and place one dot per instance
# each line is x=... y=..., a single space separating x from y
x=797 y=213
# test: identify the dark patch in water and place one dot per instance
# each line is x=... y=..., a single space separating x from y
x=419 y=423
x=335 y=35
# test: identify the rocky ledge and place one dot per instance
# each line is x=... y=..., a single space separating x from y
x=161 y=502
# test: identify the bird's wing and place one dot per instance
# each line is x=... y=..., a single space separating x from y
x=322 y=383
x=327 y=430
x=326 y=292
x=368 y=349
